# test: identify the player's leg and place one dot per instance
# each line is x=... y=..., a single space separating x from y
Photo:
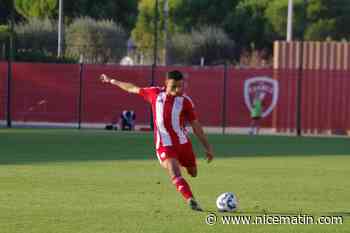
x=123 y=123
x=174 y=170
x=192 y=171
x=187 y=159
x=252 y=126
x=172 y=166
x=129 y=127
x=257 y=126
x=169 y=160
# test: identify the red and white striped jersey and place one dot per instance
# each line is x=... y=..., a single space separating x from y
x=170 y=113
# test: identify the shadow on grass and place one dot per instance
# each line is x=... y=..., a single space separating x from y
x=25 y=146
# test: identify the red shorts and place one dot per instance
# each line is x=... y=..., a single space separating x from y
x=183 y=153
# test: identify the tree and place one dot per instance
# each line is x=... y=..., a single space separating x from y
x=4 y=11
x=327 y=18
x=36 y=8
x=185 y=16
x=248 y=26
x=190 y=14
x=321 y=30
x=210 y=43
x=243 y=20
x=36 y=35
x=321 y=19
x=124 y=12
x=99 y=41
x=276 y=14
x=143 y=33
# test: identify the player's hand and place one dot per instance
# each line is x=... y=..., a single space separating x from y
x=104 y=78
x=210 y=155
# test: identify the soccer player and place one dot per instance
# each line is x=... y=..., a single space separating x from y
x=256 y=113
x=171 y=110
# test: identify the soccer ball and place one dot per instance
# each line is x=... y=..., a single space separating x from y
x=227 y=202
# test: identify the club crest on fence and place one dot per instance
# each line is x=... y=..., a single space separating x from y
x=264 y=88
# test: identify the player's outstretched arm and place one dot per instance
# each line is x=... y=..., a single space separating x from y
x=198 y=131
x=129 y=87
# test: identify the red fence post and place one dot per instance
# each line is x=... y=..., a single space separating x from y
x=224 y=96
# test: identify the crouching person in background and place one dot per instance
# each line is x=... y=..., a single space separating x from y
x=125 y=121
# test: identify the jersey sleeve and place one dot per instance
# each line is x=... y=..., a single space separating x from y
x=189 y=111
x=149 y=93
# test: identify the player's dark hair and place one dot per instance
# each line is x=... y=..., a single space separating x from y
x=175 y=74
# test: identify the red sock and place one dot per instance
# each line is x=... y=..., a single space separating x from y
x=182 y=187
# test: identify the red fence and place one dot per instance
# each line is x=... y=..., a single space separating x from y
x=101 y=101
x=50 y=93
x=3 y=90
x=325 y=84
x=44 y=93
x=325 y=103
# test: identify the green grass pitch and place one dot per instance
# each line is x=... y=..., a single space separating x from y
x=70 y=181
